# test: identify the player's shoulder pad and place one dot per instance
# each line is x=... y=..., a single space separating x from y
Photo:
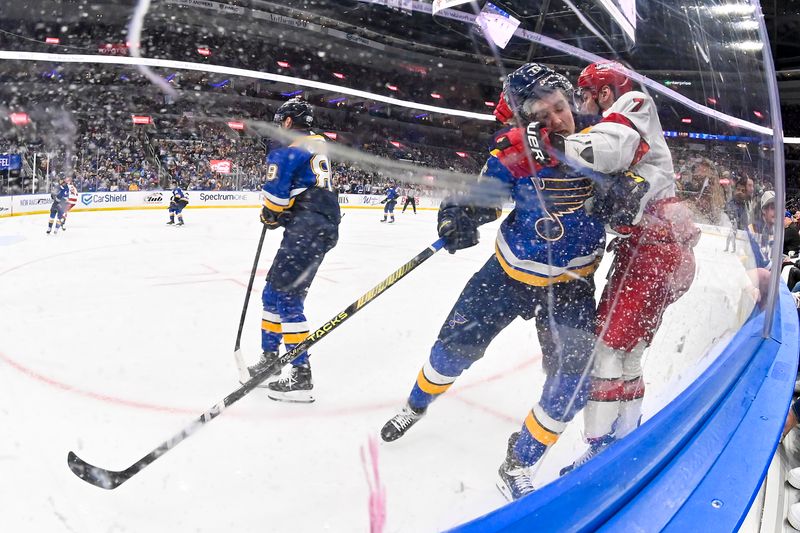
x=632 y=102
x=309 y=140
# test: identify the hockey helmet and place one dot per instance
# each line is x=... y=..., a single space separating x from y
x=597 y=75
x=302 y=112
x=530 y=81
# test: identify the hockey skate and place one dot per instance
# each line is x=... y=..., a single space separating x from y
x=171 y=223
x=515 y=480
x=296 y=386
x=595 y=447
x=180 y=223
x=266 y=359
x=397 y=426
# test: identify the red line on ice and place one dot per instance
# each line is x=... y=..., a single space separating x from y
x=283 y=413
x=89 y=394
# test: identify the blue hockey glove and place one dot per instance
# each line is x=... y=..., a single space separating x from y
x=617 y=199
x=458 y=228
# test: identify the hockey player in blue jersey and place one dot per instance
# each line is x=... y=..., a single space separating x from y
x=546 y=252
x=298 y=196
x=60 y=194
x=390 y=202
x=176 y=204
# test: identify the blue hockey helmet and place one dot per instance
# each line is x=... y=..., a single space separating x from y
x=302 y=113
x=530 y=82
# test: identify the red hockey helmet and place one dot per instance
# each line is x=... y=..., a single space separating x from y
x=610 y=73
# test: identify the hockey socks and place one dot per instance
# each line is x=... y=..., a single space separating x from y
x=430 y=384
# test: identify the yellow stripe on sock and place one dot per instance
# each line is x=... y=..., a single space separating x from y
x=295 y=338
x=430 y=388
x=270 y=326
x=543 y=435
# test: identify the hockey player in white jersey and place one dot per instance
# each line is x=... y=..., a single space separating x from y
x=654 y=263
x=72 y=199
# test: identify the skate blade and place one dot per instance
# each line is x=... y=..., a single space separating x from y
x=291 y=397
x=504 y=490
x=262 y=385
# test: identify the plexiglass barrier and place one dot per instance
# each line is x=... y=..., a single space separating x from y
x=610 y=177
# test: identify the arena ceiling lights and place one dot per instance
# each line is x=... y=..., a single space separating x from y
x=219 y=69
x=230 y=71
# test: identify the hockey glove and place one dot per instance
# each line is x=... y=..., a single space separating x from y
x=525 y=152
x=457 y=227
x=273 y=220
x=617 y=199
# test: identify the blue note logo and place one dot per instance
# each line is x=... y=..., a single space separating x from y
x=457 y=320
x=87 y=198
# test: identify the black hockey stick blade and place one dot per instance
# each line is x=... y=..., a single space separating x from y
x=111 y=479
x=99 y=477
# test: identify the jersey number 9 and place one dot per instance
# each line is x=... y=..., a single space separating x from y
x=322 y=170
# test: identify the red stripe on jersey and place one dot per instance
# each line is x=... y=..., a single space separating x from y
x=618 y=118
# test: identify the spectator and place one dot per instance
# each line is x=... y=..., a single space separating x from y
x=791 y=236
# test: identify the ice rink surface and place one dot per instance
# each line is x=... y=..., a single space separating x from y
x=117 y=333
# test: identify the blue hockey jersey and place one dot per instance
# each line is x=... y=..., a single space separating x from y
x=548 y=237
x=391 y=194
x=291 y=171
x=177 y=193
x=60 y=193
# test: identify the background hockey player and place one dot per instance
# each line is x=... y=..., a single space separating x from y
x=654 y=263
x=546 y=252
x=60 y=194
x=389 y=202
x=72 y=199
x=176 y=204
x=298 y=196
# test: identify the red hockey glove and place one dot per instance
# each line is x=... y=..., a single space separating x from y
x=501 y=111
x=524 y=152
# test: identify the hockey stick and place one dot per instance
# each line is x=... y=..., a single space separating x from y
x=244 y=375
x=111 y=479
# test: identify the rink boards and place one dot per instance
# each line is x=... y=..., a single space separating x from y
x=37 y=204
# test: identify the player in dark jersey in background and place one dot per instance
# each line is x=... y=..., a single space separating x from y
x=60 y=194
x=177 y=203
x=298 y=196
x=390 y=202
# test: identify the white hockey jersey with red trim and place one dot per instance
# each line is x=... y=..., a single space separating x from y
x=72 y=199
x=629 y=137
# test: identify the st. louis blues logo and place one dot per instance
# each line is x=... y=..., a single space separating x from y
x=457 y=320
x=562 y=196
